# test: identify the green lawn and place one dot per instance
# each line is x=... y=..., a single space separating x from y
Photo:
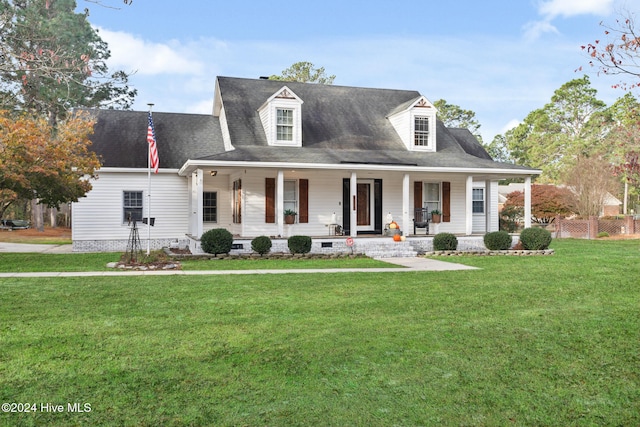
x=525 y=341
x=37 y=262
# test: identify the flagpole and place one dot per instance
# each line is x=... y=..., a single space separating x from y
x=149 y=191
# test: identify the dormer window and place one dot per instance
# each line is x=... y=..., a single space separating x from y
x=415 y=122
x=284 y=118
x=281 y=117
x=421 y=131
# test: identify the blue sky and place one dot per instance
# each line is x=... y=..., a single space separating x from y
x=500 y=58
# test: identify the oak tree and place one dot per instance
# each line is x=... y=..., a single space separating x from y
x=38 y=161
x=304 y=72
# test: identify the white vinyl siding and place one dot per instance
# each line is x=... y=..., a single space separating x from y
x=281 y=118
x=99 y=215
x=416 y=125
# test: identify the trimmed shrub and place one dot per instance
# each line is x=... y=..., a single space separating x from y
x=261 y=245
x=445 y=242
x=299 y=244
x=498 y=241
x=603 y=234
x=535 y=238
x=216 y=241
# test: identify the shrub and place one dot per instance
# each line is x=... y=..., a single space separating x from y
x=535 y=238
x=261 y=245
x=603 y=234
x=498 y=241
x=445 y=242
x=216 y=241
x=299 y=244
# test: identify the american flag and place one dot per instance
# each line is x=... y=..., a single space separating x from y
x=154 y=161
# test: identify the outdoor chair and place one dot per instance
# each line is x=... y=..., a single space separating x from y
x=421 y=219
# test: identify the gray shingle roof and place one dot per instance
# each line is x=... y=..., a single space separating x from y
x=120 y=137
x=340 y=125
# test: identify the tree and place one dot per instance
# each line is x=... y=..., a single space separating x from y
x=304 y=72
x=619 y=54
x=590 y=179
x=40 y=162
x=623 y=142
x=498 y=149
x=455 y=117
x=550 y=138
x=547 y=202
x=52 y=60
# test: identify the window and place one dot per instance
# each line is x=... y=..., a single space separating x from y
x=237 y=201
x=478 y=200
x=421 y=131
x=291 y=195
x=281 y=118
x=432 y=196
x=210 y=206
x=132 y=206
x=284 y=124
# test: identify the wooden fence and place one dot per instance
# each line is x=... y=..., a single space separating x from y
x=590 y=228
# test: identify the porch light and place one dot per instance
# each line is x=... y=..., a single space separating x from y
x=213 y=173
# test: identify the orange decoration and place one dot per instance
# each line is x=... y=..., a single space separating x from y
x=397 y=238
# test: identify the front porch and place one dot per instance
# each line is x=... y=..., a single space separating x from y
x=371 y=246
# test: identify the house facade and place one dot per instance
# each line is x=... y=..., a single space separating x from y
x=344 y=159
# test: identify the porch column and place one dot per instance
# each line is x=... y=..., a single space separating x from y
x=353 y=201
x=468 y=216
x=527 y=202
x=197 y=188
x=280 y=202
x=488 y=206
x=405 y=204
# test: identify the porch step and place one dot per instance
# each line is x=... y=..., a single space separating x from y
x=387 y=249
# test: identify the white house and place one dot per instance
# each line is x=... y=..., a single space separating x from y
x=333 y=154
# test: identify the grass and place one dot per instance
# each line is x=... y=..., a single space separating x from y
x=36 y=262
x=524 y=341
x=283 y=264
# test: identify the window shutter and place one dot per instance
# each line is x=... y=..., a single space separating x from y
x=417 y=194
x=270 y=200
x=303 y=203
x=446 y=202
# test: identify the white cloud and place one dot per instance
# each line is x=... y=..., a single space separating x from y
x=510 y=125
x=552 y=9
x=566 y=8
x=129 y=53
x=533 y=30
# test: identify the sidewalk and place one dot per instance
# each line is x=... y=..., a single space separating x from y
x=25 y=248
x=405 y=265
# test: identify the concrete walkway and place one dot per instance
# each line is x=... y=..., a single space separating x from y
x=26 y=248
x=404 y=265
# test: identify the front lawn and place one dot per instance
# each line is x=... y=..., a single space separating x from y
x=524 y=341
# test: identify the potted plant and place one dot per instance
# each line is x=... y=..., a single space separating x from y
x=289 y=216
x=436 y=216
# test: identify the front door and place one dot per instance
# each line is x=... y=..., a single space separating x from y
x=368 y=203
x=365 y=205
